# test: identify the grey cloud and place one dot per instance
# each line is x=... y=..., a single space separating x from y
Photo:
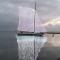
x=46 y=9
x=8 y=8
x=8 y=16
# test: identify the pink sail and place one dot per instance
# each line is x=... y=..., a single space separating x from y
x=26 y=20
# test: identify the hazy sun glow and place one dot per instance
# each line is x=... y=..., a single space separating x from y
x=52 y=22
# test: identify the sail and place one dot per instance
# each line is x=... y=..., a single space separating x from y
x=26 y=20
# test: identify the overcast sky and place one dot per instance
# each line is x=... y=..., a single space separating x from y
x=47 y=10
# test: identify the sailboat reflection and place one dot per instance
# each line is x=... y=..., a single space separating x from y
x=26 y=45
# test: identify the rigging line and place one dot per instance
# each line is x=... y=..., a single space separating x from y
x=34 y=29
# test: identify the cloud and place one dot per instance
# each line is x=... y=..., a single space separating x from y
x=53 y=22
x=8 y=16
x=47 y=9
x=8 y=8
x=53 y=25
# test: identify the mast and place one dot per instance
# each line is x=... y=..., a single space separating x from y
x=34 y=29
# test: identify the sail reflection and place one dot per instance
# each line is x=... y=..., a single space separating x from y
x=26 y=46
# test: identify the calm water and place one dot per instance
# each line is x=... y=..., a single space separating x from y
x=8 y=46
